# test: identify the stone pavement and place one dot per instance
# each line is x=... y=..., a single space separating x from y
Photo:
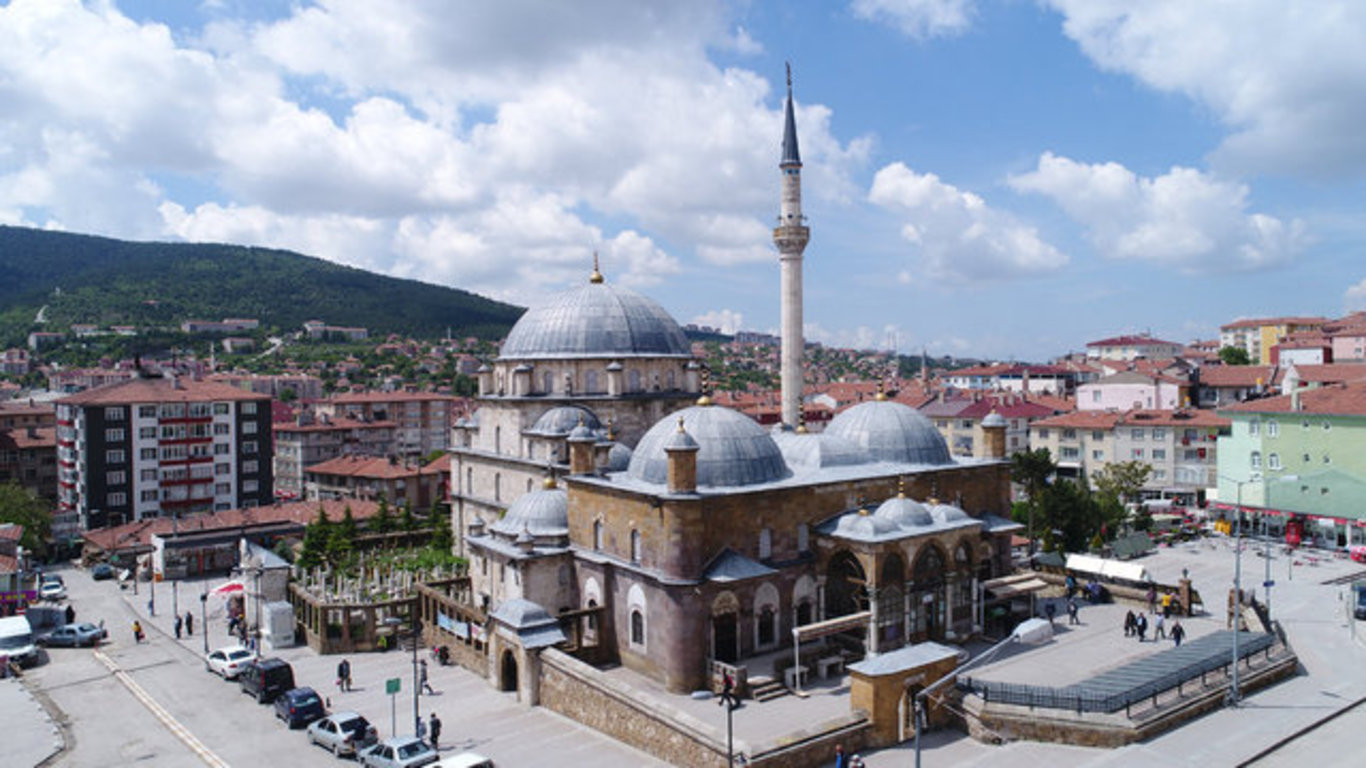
x=30 y=735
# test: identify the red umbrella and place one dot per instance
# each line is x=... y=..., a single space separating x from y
x=230 y=587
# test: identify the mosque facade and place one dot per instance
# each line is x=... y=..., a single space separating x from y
x=598 y=483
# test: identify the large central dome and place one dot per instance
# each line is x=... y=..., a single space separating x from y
x=596 y=320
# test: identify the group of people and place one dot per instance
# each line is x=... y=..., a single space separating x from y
x=430 y=729
x=1136 y=625
x=186 y=623
x=853 y=761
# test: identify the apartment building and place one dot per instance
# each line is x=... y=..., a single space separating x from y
x=1130 y=389
x=422 y=420
x=311 y=440
x=160 y=446
x=368 y=477
x=959 y=420
x=1132 y=347
x=1257 y=336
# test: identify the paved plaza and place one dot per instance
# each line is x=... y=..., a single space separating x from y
x=79 y=707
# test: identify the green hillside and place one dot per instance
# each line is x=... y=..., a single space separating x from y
x=85 y=279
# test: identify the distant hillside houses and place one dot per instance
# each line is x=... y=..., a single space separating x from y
x=320 y=331
x=226 y=325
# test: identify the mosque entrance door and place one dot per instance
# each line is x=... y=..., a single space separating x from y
x=927 y=596
x=508 y=678
x=725 y=636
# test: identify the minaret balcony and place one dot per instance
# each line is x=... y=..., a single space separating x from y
x=791 y=237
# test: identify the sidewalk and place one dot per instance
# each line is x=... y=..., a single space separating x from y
x=30 y=735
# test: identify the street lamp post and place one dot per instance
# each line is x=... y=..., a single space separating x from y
x=417 y=689
x=1233 y=693
x=204 y=616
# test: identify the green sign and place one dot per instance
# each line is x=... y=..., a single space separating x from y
x=391 y=685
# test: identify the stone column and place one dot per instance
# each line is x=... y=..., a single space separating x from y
x=874 y=631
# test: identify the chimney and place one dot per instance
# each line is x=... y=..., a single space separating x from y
x=581 y=441
x=681 y=450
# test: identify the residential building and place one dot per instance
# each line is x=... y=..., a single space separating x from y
x=161 y=446
x=1132 y=347
x=371 y=477
x=28 y=456
x=18 y=414
x=1130 y=389
x=977 y=377
x=311 y=440
x=15 y=362
x=78 y=379
x=1257 y=336
x=227 y=325
x=1080 y=441
x=959 y=420
x=317 y=329
x=1348 y=343
x=422 y=420
x=1223 y=385
x=1037 y=379
x=296 y=386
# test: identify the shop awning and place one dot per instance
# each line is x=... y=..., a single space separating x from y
x=1017 y=585
x=832 y=626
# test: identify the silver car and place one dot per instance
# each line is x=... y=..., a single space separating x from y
x=343 y=733
x=399 y=752
x=75 y=635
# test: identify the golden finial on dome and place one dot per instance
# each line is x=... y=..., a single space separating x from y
x=705 y=399
x=681 y=430
x=881 y=392
x=901 y=487
x=611 y=429
x=864 y=512
x=548 y=483
x=596 y=277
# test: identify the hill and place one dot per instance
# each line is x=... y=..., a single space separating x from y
x=86 y=279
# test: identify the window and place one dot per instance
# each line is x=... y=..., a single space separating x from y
x=1137 y=453
x=149 y=495
x=117 y=477
x=148 y=454
x=597 y=535
x=114 y=413
x=1254 y=428
x=250 y=486
x=221 y=449
x=768 y=626
x=115 y=456
x=803 y=538
x=147 y=433
x=1136 y=434
x=637 y=628
x=1098 y=455
x=1159 y=433
x=248 y=447
x=1096 y=434
x=221 y=428
x=249 y=428
x=965 y=424
x=250 y=467
x=1069 y=453
x=1327 y=426
x=114 y=435
x=117 y=499
x=249 y=409
x=1327 y=459
x=172 y=411
x=1043 y=432
x=1256 y=459
x=1069 y=434
x=635 y=546
x=147 y=411
x=1273 y=429
x=222 y=468
x=148 y=475
x=765 y=544
x=1159 y=474
x=1095 y=395
x=1273 y=461
x=1159 y=454
x=220 y=409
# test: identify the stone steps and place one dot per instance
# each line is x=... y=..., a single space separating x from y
x=766 y=689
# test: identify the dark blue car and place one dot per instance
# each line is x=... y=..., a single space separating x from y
x=299 y=707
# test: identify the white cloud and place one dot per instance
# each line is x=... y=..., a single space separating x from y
x=725 y=320
x=860 y=337
x=1288 y=79
x=1184 y=219
x=919 y=18
x=1354 y=298
x=958 y=237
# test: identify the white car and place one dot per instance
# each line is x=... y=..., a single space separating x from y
x=399 y=752
x=464 y=760
x=342 y=733
x=228 y=662
x=52 y=590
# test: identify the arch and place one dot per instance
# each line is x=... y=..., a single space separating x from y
x=507 y=677
x=846 y=586
x=636 y=607
x=804 y=600
x=986 y=562
x=766 y=615
x=765 y=543
x=725 y=627
x=597 y=535
x=927 y=594
x=891 y=602
x=962 y=558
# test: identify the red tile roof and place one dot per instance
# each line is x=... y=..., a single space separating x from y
x=19 y=438
x=1129 y=341
x=377 y=467
x=12 y=532
x=1347 y=399
x=1184 y=417
x=160 y=390
x=1331 y=373
x=1236 y=375
x=1080 y=420
x=301 y=512
x=387 y=397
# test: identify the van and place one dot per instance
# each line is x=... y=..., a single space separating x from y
x=16 y=641
x=265 y=679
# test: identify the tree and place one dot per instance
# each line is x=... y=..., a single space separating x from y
x=383 y=521
x=23 y=507
x=1071 y=516
x=1118 y=484
x=340 y=539
x=406 y=521
x=317 y=535
x=1234 y=356
x=1032 y=470
x=442 y=540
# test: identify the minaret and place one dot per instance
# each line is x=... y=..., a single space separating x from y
x=791 y=236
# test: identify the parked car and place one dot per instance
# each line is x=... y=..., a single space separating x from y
x=52 y=590
x=464 y=760
x=75 y=635
x=399 y=752
x=343 y=733
x=102 y=572
x=228 y=662
x=299 y=707
x=264 y=679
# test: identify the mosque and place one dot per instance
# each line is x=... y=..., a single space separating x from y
x=602 y=492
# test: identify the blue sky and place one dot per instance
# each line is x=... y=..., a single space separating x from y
x=1007 y=180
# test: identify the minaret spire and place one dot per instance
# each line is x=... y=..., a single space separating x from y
x=790 y=237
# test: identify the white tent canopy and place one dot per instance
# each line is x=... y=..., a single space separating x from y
x=1110 y=569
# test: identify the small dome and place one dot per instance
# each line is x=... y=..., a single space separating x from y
x=596 y=320
x=618 y=458
x=860 y=525
x=891 y=431
x=561 y=420
x=994 y=420
x=904 y=512
x=948 y=513
x=542 y=513
x=815 y=450
x=733 y=450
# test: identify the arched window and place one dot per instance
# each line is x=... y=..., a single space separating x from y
x=547 y=382
x=597 y=535
x=497 y=487
x=765 y=544
x=635 y=546
x=497 y=439
x=768 y=626
x=469 y=481
x=637 y=628
x=528 y=485
x=804 y=616
x=635 y=602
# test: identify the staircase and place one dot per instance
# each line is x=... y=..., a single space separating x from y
x=766 y=689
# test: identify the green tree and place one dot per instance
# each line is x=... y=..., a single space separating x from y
x=341 y=538
x=1031 y=470
x=1071 y=516
x=317 y=536
x=442 y=540
x=1234 y=356
x=383 y=521
x=1117 y=484
x=23 y=507
x=406 y=521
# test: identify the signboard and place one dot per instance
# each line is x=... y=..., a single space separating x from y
x=391 y=685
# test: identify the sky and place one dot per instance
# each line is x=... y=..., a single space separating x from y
x=1001 y=179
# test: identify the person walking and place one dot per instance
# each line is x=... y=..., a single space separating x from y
x=189 y=624
x=1072 y=611
x=1167 y=604
x=1141 y=626
x=1152 y=599
x=1050 y=610
x=344 y=675
x=1178 y=632
x=137 y=631
x=1160 y=628
x=434 y=728
x=839 y=756
x=422 y=677
x=1130 y=624
x=179 y=623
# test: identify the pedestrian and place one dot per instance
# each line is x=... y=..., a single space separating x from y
x=189 y=624
x=151 y=606
x=1072 y=611
x=179 y=624
x=344 y=675
x=1152 y=598
x=1178 y=632
x=421 y=728
x=1071 y=584
x=1050 y=609
x=422 y=676
x=1141 y=626
x=839 y=756
x=1167 y=604
x=434 y=727
x=70 y=615
x=856 y=762
x=137 y=631
x=1130 y=624
x=1160 y=628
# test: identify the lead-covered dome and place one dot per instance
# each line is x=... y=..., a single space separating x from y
x=542 y=513
x=891 y=431
x=596 y=320
x=561 y=420
x=732 y=449
x=818 y=450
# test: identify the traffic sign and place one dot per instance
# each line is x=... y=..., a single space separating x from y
x=1269 y=584
x=391 y=685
